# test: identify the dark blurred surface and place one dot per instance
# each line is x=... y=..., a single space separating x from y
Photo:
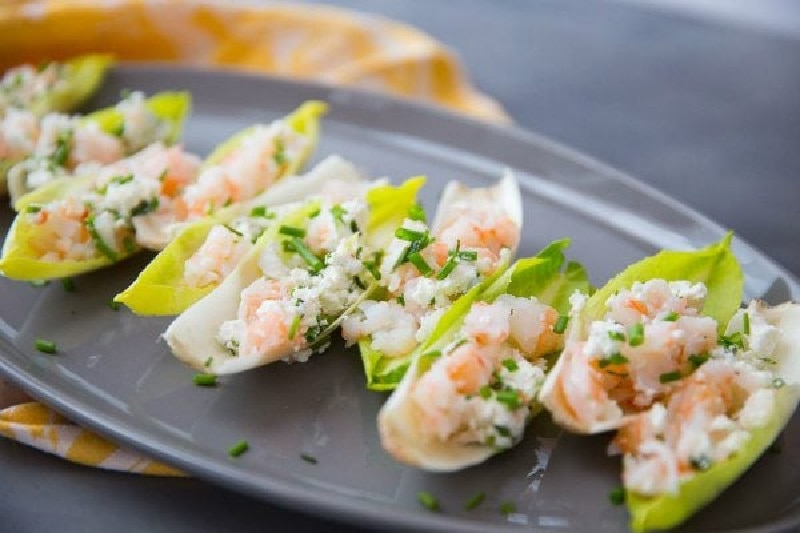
x=707 y=112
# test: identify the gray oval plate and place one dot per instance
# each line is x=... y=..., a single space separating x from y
x=116 y=376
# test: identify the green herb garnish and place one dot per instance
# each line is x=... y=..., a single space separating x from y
x=561 y=324
x=615 y=358
x=239 y=448
x=508 y=508
x=418 y=261
x=291 y=231
x=205 y=380
x=510 y=365
x=45 y=346
x=636 y=335
x=428 y=500
x=746 y=323
x=672 y=316
x=508 y=397
x=617 y=496
x=475 y=501
x=669 y=377
x=98 y=241
x=697 y=360
x=308 y=458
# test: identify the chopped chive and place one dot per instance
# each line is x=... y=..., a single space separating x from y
x=228 y=202
x=510 y=365
x=769 y=360
x=233 y=230
x=672 y=316
x=128 y=244
x=308 y=256
x=40 y=283
x=508 y=508
x=372 y=268
x=468 y=255
x=45 y=346
x=33 y=208
x=315 y=213
x=409 y=234
x=778 y=383
x=508 y=397
x=669 y=377
x=503 y=431
x=279 y=154
x=733 y=341
x=239 y=448
x=260 y=211
x=338 y=212
x=358 y=283
x=353 y=226
x=294 y=326
x=485 y=392
x=205 y=380
x=99 y=243
x=697 y=360
x=428 y=500
x=145 y=206
x=63 y=146
x=616 y=335
x=701 y=463
x=447 y=269
x=401 y=300
x=615 y=358
x=490 y=441
x=114 y=305
x=308 y=458
x=122 y=180
x=418 y=261
x=746 y=323
x=561 y=324
x=163 y=175
x=617 y=496
x=475 y=501
x=68 y=284
x=416 y=212
x=618 y=374
x=291 y=231
x=636 y=335
x=208 y=362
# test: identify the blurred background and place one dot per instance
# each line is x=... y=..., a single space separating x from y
x=690 y=96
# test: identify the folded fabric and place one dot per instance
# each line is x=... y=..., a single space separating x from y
x=309 y=42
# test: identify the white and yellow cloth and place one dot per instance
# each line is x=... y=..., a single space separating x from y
x=308 y=42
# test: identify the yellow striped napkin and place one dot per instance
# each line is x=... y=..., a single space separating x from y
x=311 y=42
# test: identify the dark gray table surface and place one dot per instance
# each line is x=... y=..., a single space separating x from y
x=708 y=113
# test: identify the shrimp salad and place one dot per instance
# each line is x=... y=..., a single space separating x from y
x=226 y=244
x=423 y=274
x=99 y=219
x=479 y=389
x=60 y=145
x=22 y=86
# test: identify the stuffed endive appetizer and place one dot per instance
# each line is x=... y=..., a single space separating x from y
x=472 y=387
x=205 y=252
x=290 y=291
x=58 y=145
x=75 y=225
x=696 y=387
x=54 y=86
x=425 y=269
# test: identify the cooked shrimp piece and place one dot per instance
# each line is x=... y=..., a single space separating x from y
x=249 y=169
x=19 y=130
x=215 y=258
